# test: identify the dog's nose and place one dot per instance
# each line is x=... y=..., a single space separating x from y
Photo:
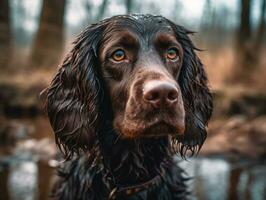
x=160 y=93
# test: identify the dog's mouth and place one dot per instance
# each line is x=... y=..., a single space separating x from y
x=155 y=129
x=160 y=129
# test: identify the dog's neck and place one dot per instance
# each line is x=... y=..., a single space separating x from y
x=134 y=161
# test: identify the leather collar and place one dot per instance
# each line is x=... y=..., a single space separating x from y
x=130 y=190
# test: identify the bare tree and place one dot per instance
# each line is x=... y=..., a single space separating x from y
x=177 y=7
x=249 y=43
x=49 y=39
x=4 y=22
x=244 y=62
x=261 y=27
x=5 y=32
x=102 y=10
x=206 y=19
x=88 y=7
x=233 y=183
x=129 y=4
x=244 y=31
x=4 y=177
x=45 y=172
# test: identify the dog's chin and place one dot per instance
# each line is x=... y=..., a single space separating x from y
x=156 y=130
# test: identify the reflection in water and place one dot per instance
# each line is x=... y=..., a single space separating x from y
x=219 y=179
x=22 y=180
x=4 y=173
x=45 y=173
x=214 y=179
x=233 y=183
x=209 y=175
x=25 y=180
x=26 y=172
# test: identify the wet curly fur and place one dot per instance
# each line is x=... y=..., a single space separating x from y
x=100 y=162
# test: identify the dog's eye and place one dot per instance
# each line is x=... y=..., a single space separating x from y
x=119 y=55
x=172 y=54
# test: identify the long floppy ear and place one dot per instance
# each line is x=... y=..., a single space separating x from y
x=74 y=94
x=196 y=95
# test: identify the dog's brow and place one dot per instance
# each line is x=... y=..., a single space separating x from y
x=165 y=39
x=119 y=38
x=124 y=37
x=128 y=40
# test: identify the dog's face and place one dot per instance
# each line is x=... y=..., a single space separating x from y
x=146 y=67
x=141 y=63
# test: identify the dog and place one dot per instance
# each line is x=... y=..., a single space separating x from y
x=130 y=95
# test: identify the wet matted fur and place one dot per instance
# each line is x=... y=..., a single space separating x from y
x=119 y=146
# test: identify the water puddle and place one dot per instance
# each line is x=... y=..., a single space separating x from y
x=25 y=180
x=218 y=179
x=27 y=168
x=214 y=178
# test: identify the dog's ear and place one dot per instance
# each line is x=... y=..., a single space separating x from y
x=196 y=95
x=74 y=94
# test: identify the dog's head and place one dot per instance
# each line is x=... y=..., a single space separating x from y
x=146 y=67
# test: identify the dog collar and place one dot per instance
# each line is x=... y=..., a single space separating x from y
x=130 y=190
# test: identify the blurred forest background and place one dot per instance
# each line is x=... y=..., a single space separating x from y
x=36 y=34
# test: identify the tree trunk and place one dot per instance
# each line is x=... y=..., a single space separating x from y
x=244 y=31
x=244 y=59
x=233 y=183
x=48 y=43
x=4 y=189
x=5 y=33
x=102 y=10
x=45 y=173
x=4 y=22
x=261 y=28
x=129 y=4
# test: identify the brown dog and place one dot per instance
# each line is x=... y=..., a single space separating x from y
x=130 y=94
